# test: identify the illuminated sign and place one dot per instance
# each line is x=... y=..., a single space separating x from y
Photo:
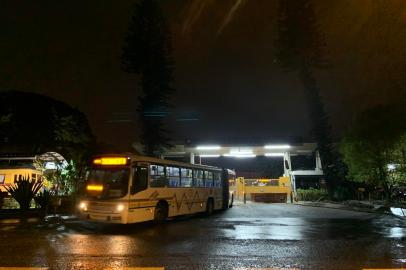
x=110 y=161
x=94 y=188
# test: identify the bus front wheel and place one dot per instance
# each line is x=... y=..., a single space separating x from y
x=209 y=207
x=161 y=213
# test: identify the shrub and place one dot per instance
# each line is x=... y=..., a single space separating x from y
x=311 y=194
x=2 y=196
x=24 y=190
x=43 y=199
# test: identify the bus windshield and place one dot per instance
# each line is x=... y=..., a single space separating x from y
x=114 y=182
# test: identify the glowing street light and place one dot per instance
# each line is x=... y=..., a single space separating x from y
x=209 y=156
x=240 y=155
x=274 y=154
x=208 y=147
x=277 y=146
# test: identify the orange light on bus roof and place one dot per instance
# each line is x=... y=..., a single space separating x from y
x=110 y=161
x=94 y=188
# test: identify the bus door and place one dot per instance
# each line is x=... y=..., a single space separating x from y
x=139 y=178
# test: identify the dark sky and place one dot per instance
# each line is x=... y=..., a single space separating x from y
x=226 y=74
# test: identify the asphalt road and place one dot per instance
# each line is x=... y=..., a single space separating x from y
x=245 y=237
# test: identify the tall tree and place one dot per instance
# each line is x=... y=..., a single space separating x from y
x=300 y=48
x=147 y=52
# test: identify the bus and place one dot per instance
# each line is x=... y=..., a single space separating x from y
x=129 y=188
x=232 y=185
x=16 y=168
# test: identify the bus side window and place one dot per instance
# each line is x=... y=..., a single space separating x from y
x=140 y=179
x=172 y=174
x=158 y=178
x=187 y=177
x=198 y=178
x=217 y=179
x=208 y=178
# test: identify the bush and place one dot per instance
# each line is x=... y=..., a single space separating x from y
x=2 y=196
x=311 y=194
x=43 y=199
x=24 y=190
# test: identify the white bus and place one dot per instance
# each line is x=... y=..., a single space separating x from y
x=16 y=168
x=129 y=188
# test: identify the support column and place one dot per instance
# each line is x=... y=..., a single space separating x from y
x=287 y=164
x=192 y=158
x=318 y=162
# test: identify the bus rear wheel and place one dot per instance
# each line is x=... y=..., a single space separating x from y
x=209 y=207
x=161 y=213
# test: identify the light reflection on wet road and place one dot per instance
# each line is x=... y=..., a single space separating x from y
x=246 y=236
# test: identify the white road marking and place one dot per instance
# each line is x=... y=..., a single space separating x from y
x=163 y=268
x=272 y=268
x=24 y=268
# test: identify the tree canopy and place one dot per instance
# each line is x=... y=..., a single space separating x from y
x=33 y=123
x=374 y=147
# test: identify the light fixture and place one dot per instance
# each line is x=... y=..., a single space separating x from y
x=120 y=207
x=274 y=154
x=209 y=156
x=83 y=206
x=391 y=167
x=240 y=155
x=208 y=147
x=277 y=146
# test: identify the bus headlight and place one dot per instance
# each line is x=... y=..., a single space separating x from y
x=120 y=207
x=83 y=206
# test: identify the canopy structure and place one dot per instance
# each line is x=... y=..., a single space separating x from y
x=51 y=156
x=51 y=160
x=284 y=151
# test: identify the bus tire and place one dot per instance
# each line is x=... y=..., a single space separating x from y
x=161 y=213
x=232 y=201
x=209 y=207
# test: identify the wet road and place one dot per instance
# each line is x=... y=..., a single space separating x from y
x=244 y=237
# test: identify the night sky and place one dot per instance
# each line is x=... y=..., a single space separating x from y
x=229 y=86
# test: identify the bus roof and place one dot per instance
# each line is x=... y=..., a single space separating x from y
x=135 y=158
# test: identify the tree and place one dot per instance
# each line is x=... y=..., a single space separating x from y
x=300 y=48
x=147 y=52
x=34 y=124
x=374 y=147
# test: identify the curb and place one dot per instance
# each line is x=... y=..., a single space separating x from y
x=37 y=220
x=344 y=207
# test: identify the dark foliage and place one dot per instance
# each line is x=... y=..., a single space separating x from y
x=48 y=125
x=43 y=199
x=24 y=190
x=147 y=52
x=376 y=138
x=2 y=196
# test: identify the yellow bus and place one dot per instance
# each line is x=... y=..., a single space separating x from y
x=16 y=168
x=232 y=183
x=128 y=189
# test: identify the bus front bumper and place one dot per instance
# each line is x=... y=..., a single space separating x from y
x=103 y=217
